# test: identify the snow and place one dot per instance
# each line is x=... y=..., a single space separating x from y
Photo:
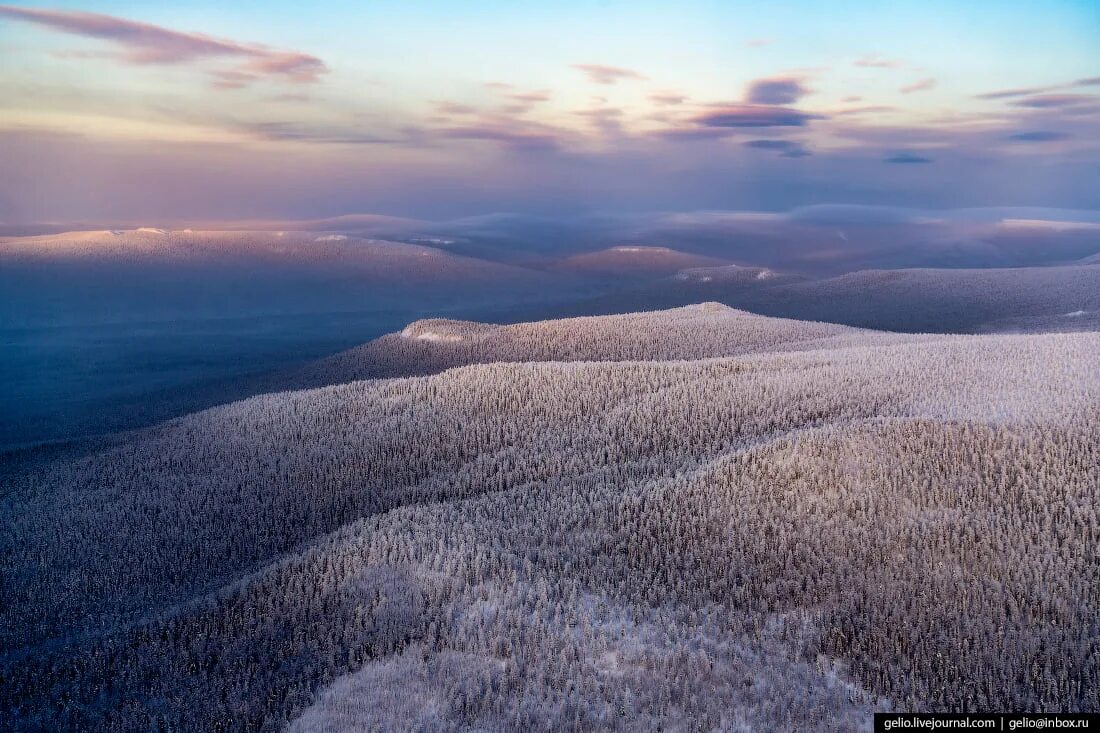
x=641 y=249
x=414 y=333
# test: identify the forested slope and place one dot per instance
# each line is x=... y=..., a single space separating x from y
x=625 y=541
x=691 y=332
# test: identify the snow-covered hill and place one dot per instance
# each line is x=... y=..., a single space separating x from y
x=805 y=521
x=691 y=332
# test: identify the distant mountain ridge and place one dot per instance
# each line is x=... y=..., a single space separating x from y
x=1025 y=299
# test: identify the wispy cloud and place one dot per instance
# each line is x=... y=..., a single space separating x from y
x=531 y=97
x=143 y=43
x=866 y=109
x=877 y=62
x=776 y=90
x=603 y=74
x=523 y=102
x=1013 y=93
x=667 y=99
x=759 y=42
x=454 y=108
x=1047 y=101
x=306 y=133
x=919 y=86
x=1032 y=91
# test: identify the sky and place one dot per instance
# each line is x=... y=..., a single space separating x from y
x=140 y=111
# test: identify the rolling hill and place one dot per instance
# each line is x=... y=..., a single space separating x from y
x=1024 y=299
x=691 y=332
x=952 y=300
x=623 y=513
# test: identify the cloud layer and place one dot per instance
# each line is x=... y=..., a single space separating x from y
x=472 y=127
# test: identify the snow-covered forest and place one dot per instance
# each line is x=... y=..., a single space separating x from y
x=696 y=519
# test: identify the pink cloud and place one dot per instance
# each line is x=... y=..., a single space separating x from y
x=601 y=74
x=530 y=97
x=918 y=86
x=454 y=108
x=143 y=43
x=231 y=79
x=524 y=102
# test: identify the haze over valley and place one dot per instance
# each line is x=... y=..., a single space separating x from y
x=113 y=329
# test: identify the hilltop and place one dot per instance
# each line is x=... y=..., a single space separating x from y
x=690 y=332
